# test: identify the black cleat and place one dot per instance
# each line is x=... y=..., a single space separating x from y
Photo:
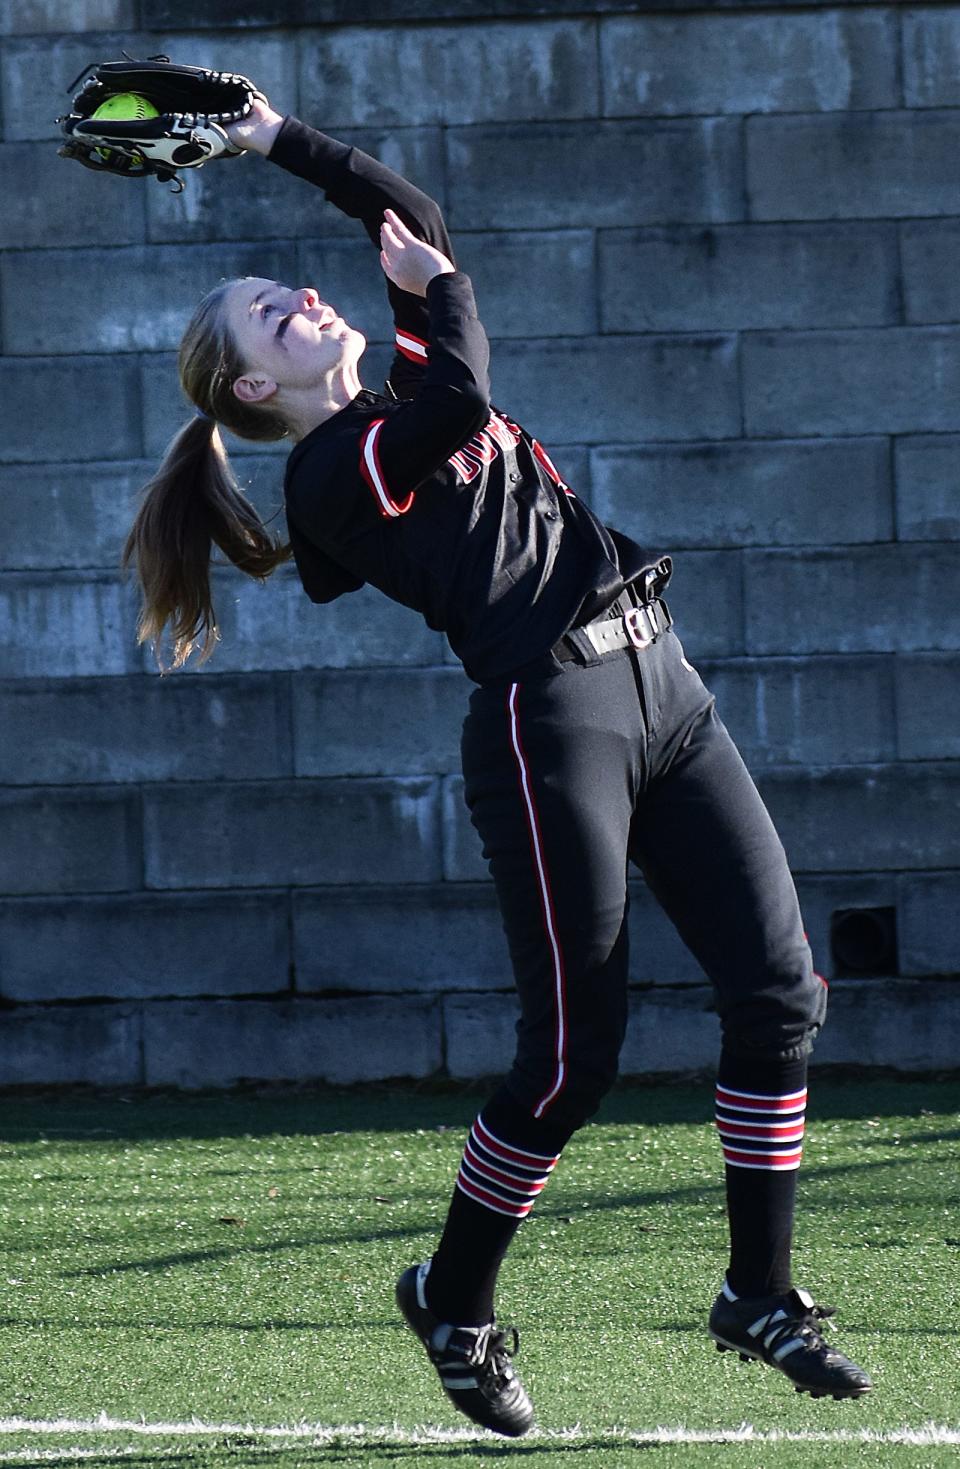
x=784 y=1332
x=473 y=1362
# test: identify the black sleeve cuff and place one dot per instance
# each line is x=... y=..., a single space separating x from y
x=451 y=292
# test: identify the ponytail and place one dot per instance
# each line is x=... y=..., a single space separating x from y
x=194 y=502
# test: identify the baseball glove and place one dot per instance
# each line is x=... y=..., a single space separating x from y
x=183 y=126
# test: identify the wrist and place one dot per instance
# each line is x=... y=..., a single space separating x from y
x=264 y=134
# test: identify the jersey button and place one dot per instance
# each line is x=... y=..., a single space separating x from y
x=514 y=479
x=549 y=515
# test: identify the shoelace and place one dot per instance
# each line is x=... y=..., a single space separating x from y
x=499 y=1352
x=490 y=1352
x=776 y=1334
x=496 y=1365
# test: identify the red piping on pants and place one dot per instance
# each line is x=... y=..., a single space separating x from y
x=546 y=902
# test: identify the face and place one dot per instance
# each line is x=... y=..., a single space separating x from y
x=288 y=338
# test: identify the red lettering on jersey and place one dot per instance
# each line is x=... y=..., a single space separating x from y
x=467 y=469
x=500 y=433
x=503 y=432
x=482 y=449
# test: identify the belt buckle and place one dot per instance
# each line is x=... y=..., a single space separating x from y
x=633 y=623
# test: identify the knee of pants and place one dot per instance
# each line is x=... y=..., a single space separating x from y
x=587 y=1089
x=568 y=1096
x=778 y=1023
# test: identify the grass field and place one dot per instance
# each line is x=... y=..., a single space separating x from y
x=208 y=1282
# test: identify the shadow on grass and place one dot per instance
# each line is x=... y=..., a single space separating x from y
x=923 y=1137
x=406 y=1453
x=695 y=1328
x=698 y=1193
x=86 y=1115
x=102 y=1323
x=360 y=1325
x=83 y=1115
x=145 y=1460
x=247 y=1453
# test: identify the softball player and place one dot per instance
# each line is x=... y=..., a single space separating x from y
x=590 y=743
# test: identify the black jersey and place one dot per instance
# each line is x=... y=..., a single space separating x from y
x=430 y=494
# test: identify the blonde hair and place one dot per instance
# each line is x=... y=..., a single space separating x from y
x=193 y=501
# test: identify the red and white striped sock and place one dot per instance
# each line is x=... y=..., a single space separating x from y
x=506 y=1163
x=759 y=1130
x=760 y=1117
x=500 y=1177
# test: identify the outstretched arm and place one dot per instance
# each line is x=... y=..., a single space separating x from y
x=433 y=303
x=365 y=189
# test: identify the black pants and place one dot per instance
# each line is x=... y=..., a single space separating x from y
x=571 y=772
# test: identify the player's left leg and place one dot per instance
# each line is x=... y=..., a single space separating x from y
x=712 y=857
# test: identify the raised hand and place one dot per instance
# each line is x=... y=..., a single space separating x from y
x=410 y=263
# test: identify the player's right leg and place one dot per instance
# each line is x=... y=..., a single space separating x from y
x=474 y=1363
x=550 y=768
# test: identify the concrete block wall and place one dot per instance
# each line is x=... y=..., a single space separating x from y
x=715 y=249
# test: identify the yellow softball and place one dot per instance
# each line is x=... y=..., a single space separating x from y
x=126 y=107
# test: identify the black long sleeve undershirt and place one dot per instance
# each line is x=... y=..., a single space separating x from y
x=449 y=395
x=362 y=187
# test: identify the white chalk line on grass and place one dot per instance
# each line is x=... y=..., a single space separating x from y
x=321 y=1435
